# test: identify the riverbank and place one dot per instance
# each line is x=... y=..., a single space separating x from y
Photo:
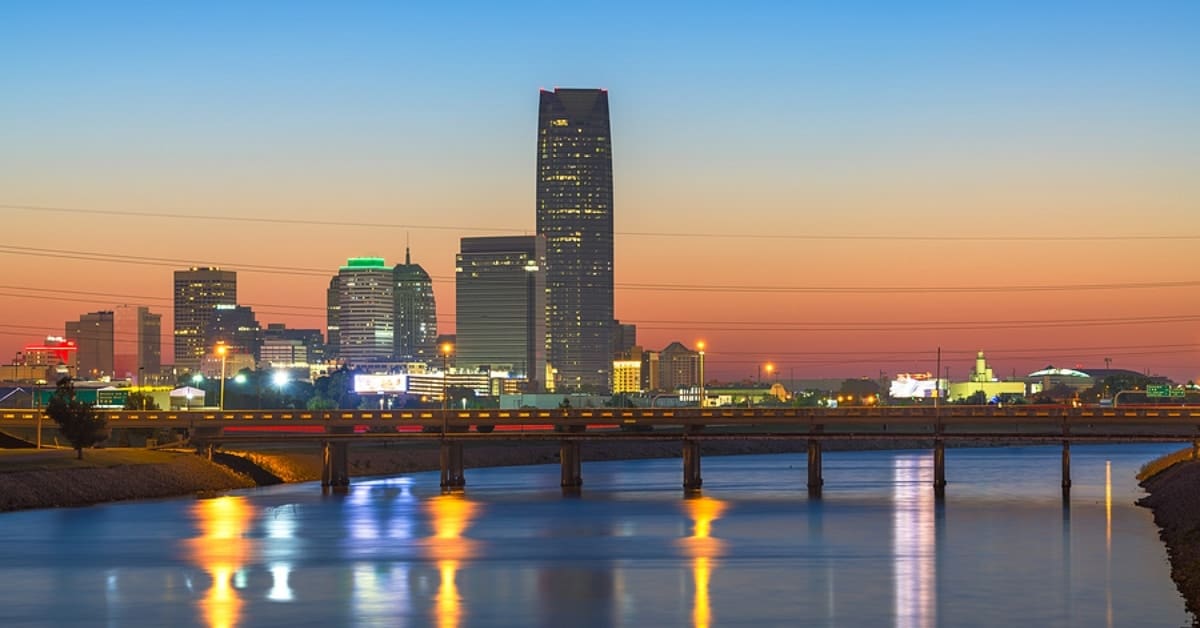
x=53 y=478
x=1174 y=498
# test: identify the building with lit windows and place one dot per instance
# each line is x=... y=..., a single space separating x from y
x=500 y=306
x=416 y=314
x=575 y=215
x=236 y=326
x=198 y=292
x=366 y=311
x=627 y=376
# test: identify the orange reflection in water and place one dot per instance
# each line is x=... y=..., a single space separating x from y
x=221 y=550
x=702 y=549
x=451 y=514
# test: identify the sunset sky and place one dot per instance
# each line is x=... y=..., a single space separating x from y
x=836 y=188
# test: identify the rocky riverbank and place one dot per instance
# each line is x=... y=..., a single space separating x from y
x=1174 y=497
x=53 y=478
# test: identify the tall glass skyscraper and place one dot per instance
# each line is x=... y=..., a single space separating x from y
x=416 y=313
x=574 y=214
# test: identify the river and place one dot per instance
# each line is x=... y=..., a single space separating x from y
x=876 y=550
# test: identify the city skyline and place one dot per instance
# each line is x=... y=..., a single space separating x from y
x=826 y=203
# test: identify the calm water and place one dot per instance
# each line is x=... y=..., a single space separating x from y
x=875 y=551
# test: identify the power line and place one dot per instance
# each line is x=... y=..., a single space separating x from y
x=706 y=326
x=642 y=234
x=656 y=287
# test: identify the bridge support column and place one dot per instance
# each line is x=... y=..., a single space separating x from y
x=335 y=464
x=335 y=460
x=939 y=467
x=1196 y=449
x=571 y=459
x=691 y=466
x=815 y=481
x=1066 y=470
x=453 y=477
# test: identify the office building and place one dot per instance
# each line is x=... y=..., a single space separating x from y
x=366 y=311
x=93 y=338
x=678 y=367
x=501 y=291
x=332 y=312
x=575 y=215
x=198 y=292
x=237 y=327
x=137 y=344
x=416 y=313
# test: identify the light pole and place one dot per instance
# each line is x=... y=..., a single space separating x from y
x=700 y=348
x=222 y=351
x=142 y=386
x=196 y=379
x=280 y=379
x=446 y=349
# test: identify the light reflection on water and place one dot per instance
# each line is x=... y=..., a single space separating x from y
x=876 y=550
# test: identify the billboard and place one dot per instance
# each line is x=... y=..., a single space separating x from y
x=367 y=384
x=909 y=385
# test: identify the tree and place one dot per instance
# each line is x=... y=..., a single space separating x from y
x=140 y=401
x=77 y=421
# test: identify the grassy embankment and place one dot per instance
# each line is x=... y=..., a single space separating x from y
x=53 y=477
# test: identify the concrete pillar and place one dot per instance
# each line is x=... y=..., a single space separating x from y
x=571 y=459
x=815 y=480
x=453 y=477
x=939 y=467
x=691 y=466
x=1196 y=449
x=335 y=464
x=1066 y=469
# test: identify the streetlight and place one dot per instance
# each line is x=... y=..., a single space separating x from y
x=700 y=348
x=280 y=379
x=222 y=351
x=197 y=379
x=142 y=385
x=446 y=350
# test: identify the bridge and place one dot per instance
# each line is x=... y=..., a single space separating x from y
x=335 y=430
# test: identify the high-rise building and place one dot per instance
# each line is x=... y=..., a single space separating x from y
x=501 y=291
x=198 y=292
x=93 y=335
x=137 y=343
x=124 y=343
x=333 y=309
x=416 y=313
x=624 y=339
x=575 y=215
x=366 y=311
x=237 y=327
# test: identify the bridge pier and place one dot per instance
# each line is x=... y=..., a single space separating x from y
x=335 y=464
x=571 y=459
x=203 y=436
x=939 y=468
x=691 y=466
x=815 y=481
x=1066 y=470
x=453 y=478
